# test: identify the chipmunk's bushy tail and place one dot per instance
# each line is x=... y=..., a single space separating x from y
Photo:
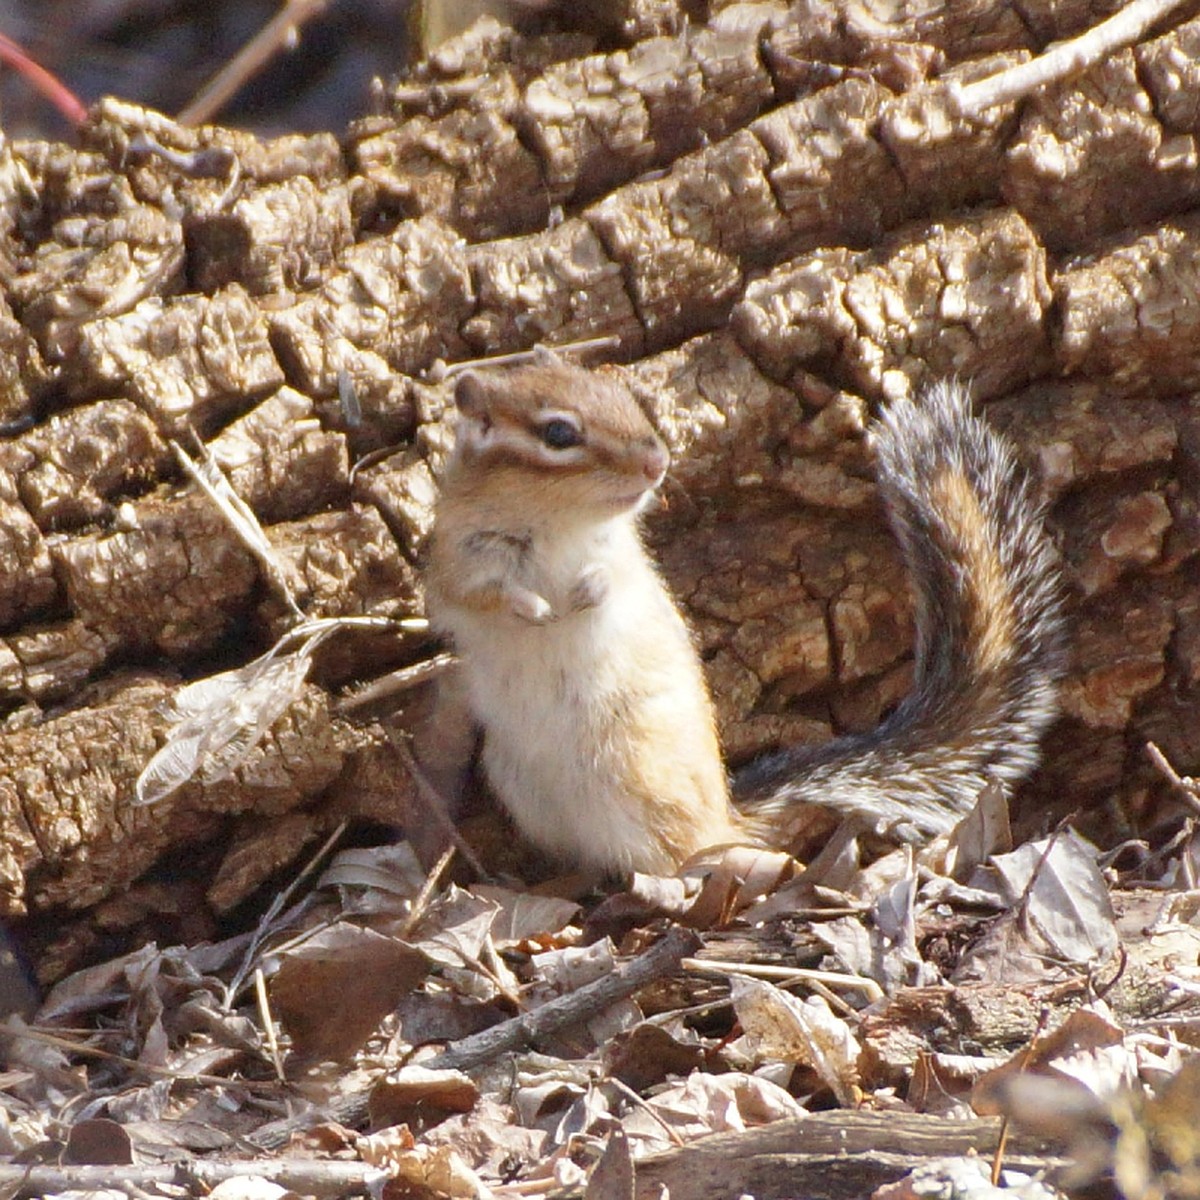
x=989 y=641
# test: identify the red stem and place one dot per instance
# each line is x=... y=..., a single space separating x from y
x=51 y=87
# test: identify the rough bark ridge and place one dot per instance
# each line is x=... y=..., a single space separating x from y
x=781 y=215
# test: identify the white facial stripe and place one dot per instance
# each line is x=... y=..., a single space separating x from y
x=558 y=458
x=546 y=415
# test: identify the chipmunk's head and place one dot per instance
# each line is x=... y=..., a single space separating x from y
x=581 y=436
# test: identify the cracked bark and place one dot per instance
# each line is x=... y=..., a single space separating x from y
x=781 y=219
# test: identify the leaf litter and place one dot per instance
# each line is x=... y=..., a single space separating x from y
x=970 y=979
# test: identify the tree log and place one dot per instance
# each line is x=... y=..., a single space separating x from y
x=782 y=219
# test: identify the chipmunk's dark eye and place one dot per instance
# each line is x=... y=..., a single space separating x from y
x=560 y=434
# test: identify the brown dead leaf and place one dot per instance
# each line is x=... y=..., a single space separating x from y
x=456 y=928
x=942 y=1083
x=613 y=1177
x=567 y=970
x=490 y=1139
x=705 y=1104
x=332 y=992
x=882 y=945
x=93 y=987
x=984 y=831
x=647 y=1054
x=965 y=1179
x=376 y=879
x=417 y=1095
x=732 y=879
x=98 y=1141
x=780 y=1028
x=523 y=916
x=1077 y=1051
x=1065 y=894
x=546 y=1084
x=1060 y=912
x=421 y=1170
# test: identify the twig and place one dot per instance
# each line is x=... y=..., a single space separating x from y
x=868 y=987
x=317 y=1177
x=50 y=86
x=432 y=882
x=672 y=1133
x=529 y=1028
x=241 y=519
x=435 y=804
x=268 y=1021
x=280 y=32
x=32 y=1033
x=270 y=921
x=397 y=681
x=1188 y=787
x=1062 y=60
x=1005 y=1123
x=521 y=1032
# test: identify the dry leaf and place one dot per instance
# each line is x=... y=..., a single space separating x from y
x=781 y=1028
x=98 y=1141
x=647 y=1054
x=440 y=1170
x=705 y=1104
x=965 y=1179
x=217 y=722
x=381 y=879
x=612 y=1178
x=490 y=1139
x=1065 y=894
x=249 y=1187
x=567 y=970
x=942 y=1083
x=331 y=993
x=1077 y=1051
x=522 y=916
x=456 y=928
x=731 y=879
x=1060 y=911
x=984 y=831
x=415 y=1093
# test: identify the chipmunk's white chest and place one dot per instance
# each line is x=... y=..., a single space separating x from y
x=559 y=702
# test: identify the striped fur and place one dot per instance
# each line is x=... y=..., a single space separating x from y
x=989 y=642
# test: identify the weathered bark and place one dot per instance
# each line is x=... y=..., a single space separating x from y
x=819 y=231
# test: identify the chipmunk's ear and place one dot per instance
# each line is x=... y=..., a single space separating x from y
x=470 y=395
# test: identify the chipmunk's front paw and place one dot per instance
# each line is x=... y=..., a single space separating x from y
x=590 y=589
x=529 y=606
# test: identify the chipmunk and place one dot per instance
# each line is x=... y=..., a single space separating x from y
x=599 y=735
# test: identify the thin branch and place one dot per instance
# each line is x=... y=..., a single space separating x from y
x=433 y=801
x=316 y=1177
x=1062 y=60
x=279 y=33
x=241 y=519
x=1188 y=787
x=267 y=1087
x=397 y=681
x=271 y=921
x=428 y=888
x=521 y=1032
x=859 y=983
